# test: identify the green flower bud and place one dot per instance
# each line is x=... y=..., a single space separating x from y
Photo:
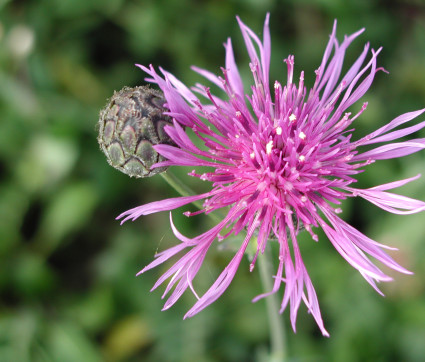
x=129 y=125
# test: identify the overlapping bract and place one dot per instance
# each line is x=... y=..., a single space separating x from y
x=279 y=159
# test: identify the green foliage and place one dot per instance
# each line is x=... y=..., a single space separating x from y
x=67 y=269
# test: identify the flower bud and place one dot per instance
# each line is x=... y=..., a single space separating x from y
x=129 y=125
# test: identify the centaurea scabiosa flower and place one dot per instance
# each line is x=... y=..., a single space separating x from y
x=282 y=158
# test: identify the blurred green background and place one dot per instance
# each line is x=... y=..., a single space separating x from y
x=67 y=269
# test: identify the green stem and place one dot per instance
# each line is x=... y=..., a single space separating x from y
x=184 y=190
x=277 y=330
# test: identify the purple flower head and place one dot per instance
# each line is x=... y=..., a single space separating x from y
x=280 y=160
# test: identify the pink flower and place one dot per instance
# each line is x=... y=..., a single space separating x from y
x=279 y=160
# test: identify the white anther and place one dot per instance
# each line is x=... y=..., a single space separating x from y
x=269 y=147
x=292 y=117
x=301 y=158
x=302 y=135
x=278 y=130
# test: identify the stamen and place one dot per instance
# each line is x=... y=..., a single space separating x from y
x=277 y=95
x=278 y=130
x=290 y=63
x=269 y=147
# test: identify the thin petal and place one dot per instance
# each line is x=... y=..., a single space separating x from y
x=392 y=150
x=396 y=204
x=406 y=117
x=233 y=72
x=395 y=184
x=177 y=156
x=208 y=75
x=225 y=278
x=163 y=205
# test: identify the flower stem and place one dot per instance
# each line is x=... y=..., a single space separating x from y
x=277 y=330
x=184 y=190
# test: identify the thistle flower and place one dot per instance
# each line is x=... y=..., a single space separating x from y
x=280 y=160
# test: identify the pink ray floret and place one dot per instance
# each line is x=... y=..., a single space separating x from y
x=279 y=158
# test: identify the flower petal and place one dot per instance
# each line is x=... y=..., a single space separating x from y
x=163 y=205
